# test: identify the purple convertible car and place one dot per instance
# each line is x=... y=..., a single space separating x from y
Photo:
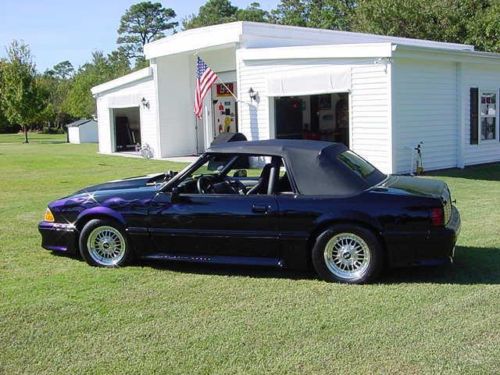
x=301 y=204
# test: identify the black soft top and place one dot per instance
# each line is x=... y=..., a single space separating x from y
x=313 y=165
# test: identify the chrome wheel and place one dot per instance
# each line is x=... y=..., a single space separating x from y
x=106 y=245
x=347 y=256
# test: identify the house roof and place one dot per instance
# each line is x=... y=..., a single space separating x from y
x=80 y=122
x=139 y=75
x=255 y=35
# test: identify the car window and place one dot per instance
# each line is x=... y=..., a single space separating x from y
x=232 y=174
x=213 y=165
x=248 y=166
x=356 y=163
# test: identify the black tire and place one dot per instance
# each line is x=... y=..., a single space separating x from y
x=113 y=241
x=369 y=255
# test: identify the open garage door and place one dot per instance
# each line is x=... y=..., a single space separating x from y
x=322 y=117
x=127 y=129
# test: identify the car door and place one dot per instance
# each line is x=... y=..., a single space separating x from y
x=215 y=224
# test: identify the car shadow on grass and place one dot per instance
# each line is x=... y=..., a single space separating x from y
x=230 y=270
x=472 y=265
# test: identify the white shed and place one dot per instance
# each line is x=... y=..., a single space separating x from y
x=379 y=95
x=82 y=131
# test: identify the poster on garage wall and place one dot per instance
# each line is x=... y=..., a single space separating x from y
x=224 y=109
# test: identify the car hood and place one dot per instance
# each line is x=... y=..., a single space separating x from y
x=414 y=185
x=126 y=183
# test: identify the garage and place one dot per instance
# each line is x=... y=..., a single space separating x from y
x=127 y=129
x=379 y=95
x=127 y=113
x=322 y=117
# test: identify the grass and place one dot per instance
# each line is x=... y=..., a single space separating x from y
x=58 y=315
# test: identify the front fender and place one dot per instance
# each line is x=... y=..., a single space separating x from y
x=98 y=211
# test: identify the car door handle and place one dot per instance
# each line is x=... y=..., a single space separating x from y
x=261 y=208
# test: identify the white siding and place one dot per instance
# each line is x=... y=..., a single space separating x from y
x=177 y=131
x=74 y=135
x=88 y=133
x=369 y=103
x=126 y=96
x=485 y=77
x=176 y=85
x=425 y=108
x=369 y=110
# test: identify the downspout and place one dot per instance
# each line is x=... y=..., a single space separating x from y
x=460 y=116
x=391 y=114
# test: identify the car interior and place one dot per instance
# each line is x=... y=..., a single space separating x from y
x=242 y=175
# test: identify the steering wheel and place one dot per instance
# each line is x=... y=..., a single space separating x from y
x=204 y=184
x=239 y=186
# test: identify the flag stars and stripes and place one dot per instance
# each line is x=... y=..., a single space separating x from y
x=205 y=77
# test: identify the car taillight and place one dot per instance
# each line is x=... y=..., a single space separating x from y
x=437 y=217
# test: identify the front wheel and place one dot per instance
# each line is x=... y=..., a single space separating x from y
x=103 y=243
x=348 y=254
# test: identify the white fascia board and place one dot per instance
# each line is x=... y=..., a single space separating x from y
x=127 y=79
x=195 y=39
x=436 y=54
x=236 y=32
x=340 y=37
x=318 y=52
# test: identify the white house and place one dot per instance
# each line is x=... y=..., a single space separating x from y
x=379 y=95
x=82 y=131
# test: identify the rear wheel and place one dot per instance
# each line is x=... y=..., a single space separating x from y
x=103 y=243
x=348 y=254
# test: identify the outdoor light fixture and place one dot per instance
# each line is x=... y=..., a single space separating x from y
x=145 y=103
x=254 y=95
x=383 y=60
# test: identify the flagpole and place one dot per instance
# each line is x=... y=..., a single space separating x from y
x=223 y=84
x=227 y=88
x=196 y=130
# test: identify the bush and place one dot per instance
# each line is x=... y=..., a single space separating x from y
x=7 y=128
x=49 y=130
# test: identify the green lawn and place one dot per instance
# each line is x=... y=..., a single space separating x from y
x=58 y=315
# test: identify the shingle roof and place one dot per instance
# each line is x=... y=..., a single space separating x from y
x=80 y=122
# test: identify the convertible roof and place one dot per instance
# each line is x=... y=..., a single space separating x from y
x=276 y=147
x=313 y=165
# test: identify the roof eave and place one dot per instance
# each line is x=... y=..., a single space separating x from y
x=445 y=54
x=195 y=39
x=139 y=75
x=366 y=50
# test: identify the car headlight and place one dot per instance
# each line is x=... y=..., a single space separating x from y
x=48 y=216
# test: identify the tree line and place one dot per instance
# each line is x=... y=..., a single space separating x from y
x=61 y=94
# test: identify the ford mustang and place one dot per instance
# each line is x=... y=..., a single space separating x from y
x=281 y=203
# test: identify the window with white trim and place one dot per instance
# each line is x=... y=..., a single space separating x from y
x=488 y=115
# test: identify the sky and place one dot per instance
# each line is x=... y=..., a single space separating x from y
x=58 y=30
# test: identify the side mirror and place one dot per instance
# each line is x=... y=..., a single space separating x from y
x=170 y=174
x=174 y=194
x=240 y=173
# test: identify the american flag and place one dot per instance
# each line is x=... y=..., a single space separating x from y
x=205 y=77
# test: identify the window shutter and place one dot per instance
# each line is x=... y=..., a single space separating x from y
x=474 y=118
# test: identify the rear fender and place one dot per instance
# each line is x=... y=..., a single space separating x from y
x=343 y=217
